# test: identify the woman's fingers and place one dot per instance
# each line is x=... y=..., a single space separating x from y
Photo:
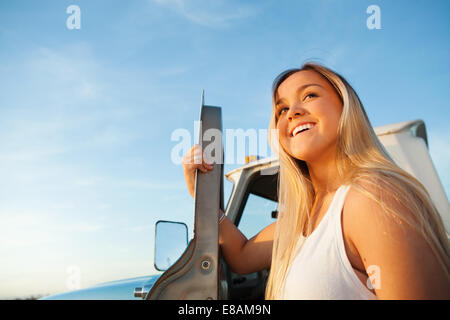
x=204 y=167
x=199 y=161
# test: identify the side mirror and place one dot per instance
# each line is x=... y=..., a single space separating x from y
x=171 y=239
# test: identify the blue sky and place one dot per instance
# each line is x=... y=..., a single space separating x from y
x=86 y=115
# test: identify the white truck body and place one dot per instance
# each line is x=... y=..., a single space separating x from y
x=406 y=143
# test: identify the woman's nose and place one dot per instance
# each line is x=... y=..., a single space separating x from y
x=295 y=111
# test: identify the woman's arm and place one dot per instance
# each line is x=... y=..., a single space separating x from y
x=242 y=255
x=407 y=267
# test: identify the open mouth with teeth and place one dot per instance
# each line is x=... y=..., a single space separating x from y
x=302 y=128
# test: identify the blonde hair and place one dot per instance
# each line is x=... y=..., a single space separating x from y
x=363 y=162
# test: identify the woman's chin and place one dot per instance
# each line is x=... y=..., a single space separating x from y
x=305 y=152
x=303 y=155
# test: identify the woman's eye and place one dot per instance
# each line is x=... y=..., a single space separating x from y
x=281 y=111
x=310 y=95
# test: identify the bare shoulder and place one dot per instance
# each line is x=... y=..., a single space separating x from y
x=364 y=213
x=385 y=239
x=368 y=218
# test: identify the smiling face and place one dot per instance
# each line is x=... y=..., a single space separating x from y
x=308 y=110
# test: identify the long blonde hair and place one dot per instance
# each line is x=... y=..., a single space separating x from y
x=363 y=162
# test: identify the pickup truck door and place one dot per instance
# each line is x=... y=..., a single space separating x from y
x=195 y=274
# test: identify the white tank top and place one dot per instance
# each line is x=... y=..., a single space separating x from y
x=320 y=268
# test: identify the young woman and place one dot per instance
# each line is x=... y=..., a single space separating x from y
x=347 y=212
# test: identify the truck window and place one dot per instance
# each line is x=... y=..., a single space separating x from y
x=257 y=214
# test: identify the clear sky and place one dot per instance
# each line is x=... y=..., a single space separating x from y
x=86 y=115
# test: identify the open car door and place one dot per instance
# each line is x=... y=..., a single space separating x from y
x=195 y=275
